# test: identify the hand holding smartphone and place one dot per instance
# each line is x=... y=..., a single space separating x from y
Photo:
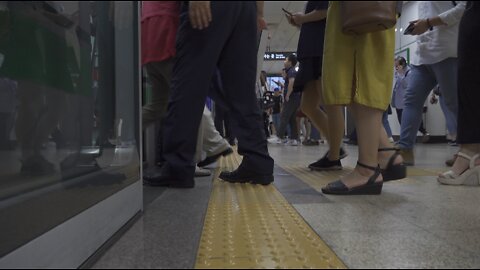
x=287 y=12
x=409 y=29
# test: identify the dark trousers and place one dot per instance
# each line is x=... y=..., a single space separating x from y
x=223 y=123
x=289 y=116
x=399 y=117
x=468 y=76
x=229 y=43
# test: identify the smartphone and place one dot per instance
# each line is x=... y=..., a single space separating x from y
x=287 y=12
x=409 y=29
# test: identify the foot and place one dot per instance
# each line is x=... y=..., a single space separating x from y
x=408 y=156
x=385 y=156
x=451 y=161
x=364 y=180
x=426 y=138
x=359 y=177
x=166 y=179
x=465 y=171
x=462 y=164
x=213 y=158
x=244 y=176
x=324 y=164
x=199 y=172
x=293 y=143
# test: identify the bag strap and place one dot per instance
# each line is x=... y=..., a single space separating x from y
x=406 y=73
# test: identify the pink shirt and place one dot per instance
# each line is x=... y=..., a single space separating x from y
x=160 y=20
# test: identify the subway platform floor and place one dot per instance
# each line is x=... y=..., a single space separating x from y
x=414 y=223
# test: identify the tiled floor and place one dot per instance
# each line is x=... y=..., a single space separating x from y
x=414 y=223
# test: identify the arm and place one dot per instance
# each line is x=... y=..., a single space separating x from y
x=316 y=15
x=261 y=23
x=449 y=17
x=291 y=81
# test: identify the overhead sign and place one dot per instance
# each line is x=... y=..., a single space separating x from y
x=276 y=56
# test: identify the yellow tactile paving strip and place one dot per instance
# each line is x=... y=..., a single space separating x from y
x=253 y=226
x=317 y=180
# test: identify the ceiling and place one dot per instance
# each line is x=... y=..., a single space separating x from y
x=283 y=36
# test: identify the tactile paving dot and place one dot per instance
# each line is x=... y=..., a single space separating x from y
x=253 y=226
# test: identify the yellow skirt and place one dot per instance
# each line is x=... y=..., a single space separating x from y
x=357 y=69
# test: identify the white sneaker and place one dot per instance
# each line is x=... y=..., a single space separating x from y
x=275 y=140
x=199 y=172
x=293 y=143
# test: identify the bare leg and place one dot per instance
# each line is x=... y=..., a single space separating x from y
x=310 y=106
x=366 y=120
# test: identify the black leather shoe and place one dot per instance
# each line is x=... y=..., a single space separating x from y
x=169 y=181
x=212 y=159
x=370 y=188
x=243 y=176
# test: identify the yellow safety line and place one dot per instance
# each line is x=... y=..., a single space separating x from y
x=254 y=226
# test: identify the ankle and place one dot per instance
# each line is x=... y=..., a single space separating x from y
x=365 y=172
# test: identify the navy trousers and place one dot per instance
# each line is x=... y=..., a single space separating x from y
x=229 y=43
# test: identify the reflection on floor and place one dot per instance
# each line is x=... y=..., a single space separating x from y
x=414 y=223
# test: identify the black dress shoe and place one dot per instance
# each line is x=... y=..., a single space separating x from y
x=212 y=159
x=370 y=188
x=244 y=176
x=169 y=181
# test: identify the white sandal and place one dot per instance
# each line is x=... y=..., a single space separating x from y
x=470 y=177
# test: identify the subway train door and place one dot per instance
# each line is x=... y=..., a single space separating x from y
x=70 y=143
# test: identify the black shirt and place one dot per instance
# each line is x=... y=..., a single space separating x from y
x=312 y=34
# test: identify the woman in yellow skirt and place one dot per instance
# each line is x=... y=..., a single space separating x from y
x=357 y=72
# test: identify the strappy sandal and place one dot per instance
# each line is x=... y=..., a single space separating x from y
x=370 y=188
x=393 y=171
x=469 y=177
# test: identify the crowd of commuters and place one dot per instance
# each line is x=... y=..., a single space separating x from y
x=190 y=51
x=334 y=70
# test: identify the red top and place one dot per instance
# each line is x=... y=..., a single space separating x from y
x=160 y=20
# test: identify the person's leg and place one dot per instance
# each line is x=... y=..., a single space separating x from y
x=276 y=122
x=336 y=127
x=468 y=129
x=308 y=128
x=192 y=74
x=450 y=119
x=366 y=120
x=213 y=143
x=386 y=124
x=422 y=128
x=288 y=112
x=293 y=118
x=310 y=105
x=399 y=115
x=239 y=83
x=421 y=82
x=218 y=119
x=160 y=74
x=446 y=75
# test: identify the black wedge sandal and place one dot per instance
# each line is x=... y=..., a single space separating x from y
x=393 y=172
x=370 y=188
